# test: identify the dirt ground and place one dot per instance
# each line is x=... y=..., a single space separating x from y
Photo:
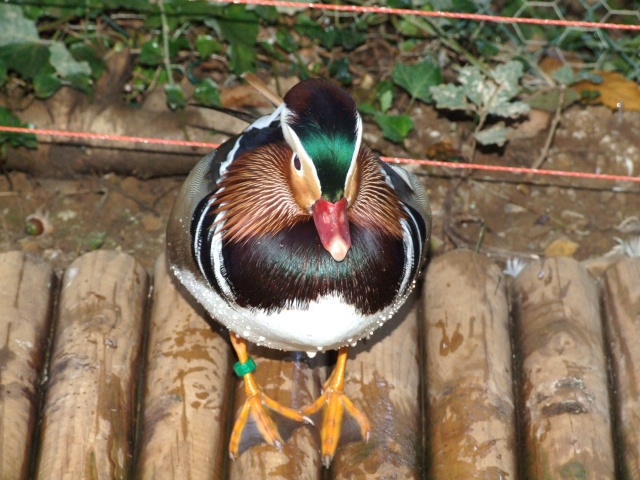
x=504 y=215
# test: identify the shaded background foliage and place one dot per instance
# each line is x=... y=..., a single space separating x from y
x=45 y=45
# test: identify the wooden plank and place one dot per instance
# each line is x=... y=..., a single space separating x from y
x=188 y=388
x=27 y=287
x=471 y=416
x=291 y=379
x=622 y=306
x=383 y=380
x=563 y=394
x=87 y=429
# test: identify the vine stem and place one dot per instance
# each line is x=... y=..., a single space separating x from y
x=552 y=131
x=165 y=42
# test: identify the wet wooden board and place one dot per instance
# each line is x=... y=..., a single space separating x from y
x=622 y=306
x=563 y=396
x=383 y=379
x=291 y=380
x=471 y=416
x=186 y=411
x=87 y=422
x=27 y=289
x=436 y=382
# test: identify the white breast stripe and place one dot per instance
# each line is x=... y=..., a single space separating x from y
x=408 y=254
x=197 y=245
x=225 y=164
x=262 y=122
x=216 y=258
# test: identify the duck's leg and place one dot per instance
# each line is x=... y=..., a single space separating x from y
x=335 y=403
x=255 y=423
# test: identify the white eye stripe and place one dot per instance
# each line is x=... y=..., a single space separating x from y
x=356 y=150
x=296 y=145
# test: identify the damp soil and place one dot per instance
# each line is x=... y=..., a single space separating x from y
x=503 y=215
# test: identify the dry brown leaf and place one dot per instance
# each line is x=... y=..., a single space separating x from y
x=615 y=90
x=561 y=247
x=550 y=64
x=243 y=95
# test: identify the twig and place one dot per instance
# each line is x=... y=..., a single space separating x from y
x=461 y=241
x=552 y=131
x=260 y=86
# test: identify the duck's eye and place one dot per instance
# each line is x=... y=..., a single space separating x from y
x=296 y=162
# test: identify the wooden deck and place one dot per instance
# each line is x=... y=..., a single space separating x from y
x=109 y=372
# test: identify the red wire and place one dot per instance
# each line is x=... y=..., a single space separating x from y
x=431 y=163
x=108 y=137
x=423 y=13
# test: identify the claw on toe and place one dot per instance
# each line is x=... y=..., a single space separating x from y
x=261 y=419
x=336 y=404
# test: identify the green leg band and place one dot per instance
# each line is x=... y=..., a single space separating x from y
x=243 y=369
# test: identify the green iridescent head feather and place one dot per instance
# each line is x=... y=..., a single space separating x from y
x=325 y=119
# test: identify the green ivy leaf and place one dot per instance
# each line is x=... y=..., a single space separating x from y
x=175 y=96
x=367 y=109
x=242 y=58
x=207 y=93
x=450 y=97
x=8 y=119
x=309 y=28
x=267 y=13
x=496 y=135
x=3 y=73
x=206 y=45
x=394 y=127
x=83 y=52
x=65 y=64
x=95 y=240
x=46 y=84
x=474 y=85
x=509 y=109
x=507 y=76
x=564 y=75
x=384 y=93
x=416 y=79
x=177 y=44
x=239 y=27
x=27 y=58
x=14 y=27
x=548 y=101
x=348 y=38
x=80 y=81
x=151 y=54
x=285 y=40
x=339 y=70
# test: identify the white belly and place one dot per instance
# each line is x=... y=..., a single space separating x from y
x=326 y=324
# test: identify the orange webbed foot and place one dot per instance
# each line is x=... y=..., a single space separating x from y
x=261 y=419
x=335 y=404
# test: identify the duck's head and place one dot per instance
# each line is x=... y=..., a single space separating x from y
x=320 y=171
x=322 y=126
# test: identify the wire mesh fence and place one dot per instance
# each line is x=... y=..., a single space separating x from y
x=576 y=46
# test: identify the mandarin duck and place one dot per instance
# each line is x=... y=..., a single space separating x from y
x=295 y=236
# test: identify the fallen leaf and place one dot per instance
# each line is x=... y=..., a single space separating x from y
x=242 y=95
x=537 y=122
x=550 y=64
x=561 y=247
x=444 y=151
x=615 y=91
